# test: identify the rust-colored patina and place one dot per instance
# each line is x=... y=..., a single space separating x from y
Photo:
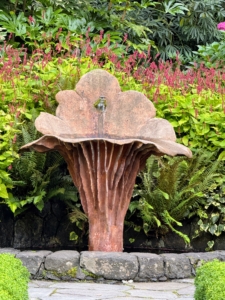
x=105 y=136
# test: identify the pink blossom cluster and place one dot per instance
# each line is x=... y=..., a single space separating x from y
x=221 y=26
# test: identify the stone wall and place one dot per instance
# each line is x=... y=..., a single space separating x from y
x=32 y=229
x=50 y=230
x=71 y=265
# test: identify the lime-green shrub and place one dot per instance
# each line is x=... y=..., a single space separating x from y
x=14 y=278
x=210 y=281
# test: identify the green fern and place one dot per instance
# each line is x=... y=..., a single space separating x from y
x=170 y=187
x=78 y=217
x=38 y=177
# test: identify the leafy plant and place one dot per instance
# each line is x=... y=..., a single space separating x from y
x=2 y=35
x=14 y=278
x=7 y=152
x=13 y=24
x=33 y=6
x=211 y=213
x=38 y=177
x=51 y=25
x=211 y=55
x=169 y=187
x=78 y=217
x=200 y=22
x=210 y=280
x=196 y=113
x=169 y=26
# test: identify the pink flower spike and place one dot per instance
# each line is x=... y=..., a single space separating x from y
x=221 y=26
x=31 y=19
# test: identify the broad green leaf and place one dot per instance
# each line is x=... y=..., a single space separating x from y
x=213 y=229
x=210 y=244
x=185 y=140
x=73 y=236
x=222 y=155
x=3 y=191
x=215 y=217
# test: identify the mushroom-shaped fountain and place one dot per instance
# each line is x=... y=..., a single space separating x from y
x=105 y=136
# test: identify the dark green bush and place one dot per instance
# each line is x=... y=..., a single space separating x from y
x=210 y=281
x=14 y=278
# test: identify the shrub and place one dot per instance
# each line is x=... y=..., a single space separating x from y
x=210 y=281
x=14 y=278
x=173 y=26
x=211 y=55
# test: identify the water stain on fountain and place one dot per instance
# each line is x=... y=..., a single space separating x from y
x=105 y=136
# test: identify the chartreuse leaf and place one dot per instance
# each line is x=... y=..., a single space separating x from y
x=3 y=191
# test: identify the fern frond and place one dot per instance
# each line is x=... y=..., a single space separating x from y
x=27 y=138
x=77 y=215
x=54 y=158
x=39 y=177
x=175 y=185
x=71 y=195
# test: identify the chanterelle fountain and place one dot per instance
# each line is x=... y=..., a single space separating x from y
x=105 y=136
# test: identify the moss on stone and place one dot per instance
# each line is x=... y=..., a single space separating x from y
x=71 y=273
x=87 y=273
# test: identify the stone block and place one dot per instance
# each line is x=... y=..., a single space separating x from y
x=9 y=251
x=33 y=260
x=62 y=262
x=176 y=266
x=110 y=265
x=197 y=258
x=151 y=266
x=220 y=254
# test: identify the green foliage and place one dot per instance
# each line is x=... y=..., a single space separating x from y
x=38 y=177
x=14 y=24
x=7 y=152
x=25 y=92
x=178 y=26
x=14 y=278
x=169 y=187
x=167 y=26
x=200 y=22
x=210 y=280
x=211 y=55
x=173 y=26
x=29 y=7
x=197 y=116
x=32 y=89
x=53 y=24
x=2 y=35
x=78 y=217
x=211 y=213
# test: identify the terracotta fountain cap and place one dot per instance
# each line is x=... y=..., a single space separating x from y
x=98 y=110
